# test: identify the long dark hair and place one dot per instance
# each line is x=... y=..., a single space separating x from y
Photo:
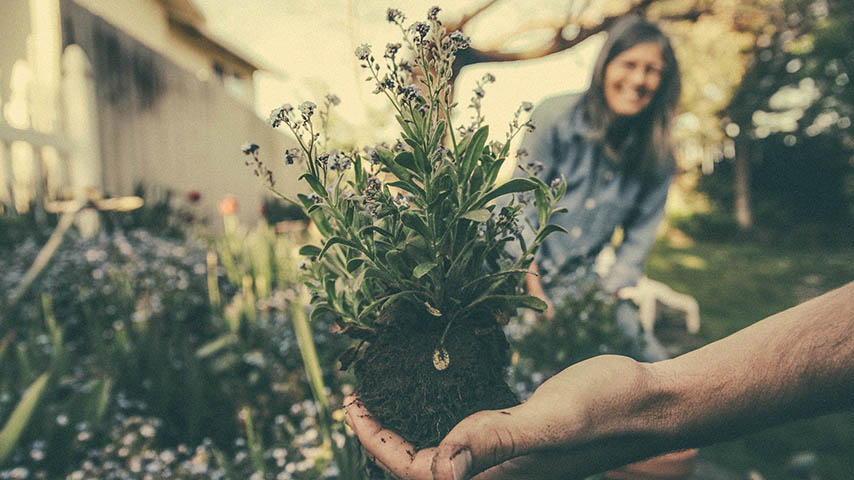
x=650 y=151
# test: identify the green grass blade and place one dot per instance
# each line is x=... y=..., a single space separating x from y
x=21 y=416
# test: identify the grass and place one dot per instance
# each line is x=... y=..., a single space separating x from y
x=737 y=284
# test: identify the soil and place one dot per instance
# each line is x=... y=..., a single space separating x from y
x=399 y=384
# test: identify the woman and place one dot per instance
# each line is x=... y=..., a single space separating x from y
x=611 y=144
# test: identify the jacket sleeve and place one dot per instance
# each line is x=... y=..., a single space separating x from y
x=640 y=229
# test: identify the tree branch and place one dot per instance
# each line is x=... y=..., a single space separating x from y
x=558 y=42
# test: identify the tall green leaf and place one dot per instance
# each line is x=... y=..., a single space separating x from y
x=20 y=417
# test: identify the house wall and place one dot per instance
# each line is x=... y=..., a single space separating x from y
x=162 y=126
x=147 y=21
x=15 y=25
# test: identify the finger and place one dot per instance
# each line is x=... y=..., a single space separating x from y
x=387 y=449
x=481 y=441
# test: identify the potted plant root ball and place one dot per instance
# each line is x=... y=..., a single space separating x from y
x=415 y=261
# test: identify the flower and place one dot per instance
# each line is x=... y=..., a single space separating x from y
x=433 y=13
x=527 y=106
x=280 y=115
x=249 y=148
x=307 y=109
x=420 y=29
x=228 y=205
x=332 y=99
x=194 y=195
x=391 y=50
x=394 y=15
x=461 y=42
x=363 y=51
x=292 y=154
x=488 y=78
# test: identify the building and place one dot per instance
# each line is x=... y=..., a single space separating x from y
x=111 y=94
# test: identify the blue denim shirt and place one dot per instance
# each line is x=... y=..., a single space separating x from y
x=599 y=198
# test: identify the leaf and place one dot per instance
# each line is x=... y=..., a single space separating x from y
x=309 y=250
x=422 y=269
x=354 y=263
x=214 y=346
x=480 y=215
x=20 y=416
x=373 y=228
x=336 y=240
x=359 y=332
x=416 y=223
x=406 y=160
x=404 y=125
x=437 y=135
x=474 y=150
x=314 y=183
x=385 y=300
x=516 y=301
x=319 y=309
x=515 y=185
x=408 y=186
x=432 y=310
x=548 y=231
x=542 y=206
x=349 y=356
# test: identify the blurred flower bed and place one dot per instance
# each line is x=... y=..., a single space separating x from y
x=152 y=353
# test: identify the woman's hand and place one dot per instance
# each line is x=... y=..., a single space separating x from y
x=534 y=287
x=562 y=431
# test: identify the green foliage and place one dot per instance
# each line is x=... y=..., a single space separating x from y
x=139 y=357
x=582 y=327
x=420 y=222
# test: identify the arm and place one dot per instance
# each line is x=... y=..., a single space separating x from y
x=640 y=229
x=609 y=411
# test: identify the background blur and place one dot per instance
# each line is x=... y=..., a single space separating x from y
x=164 y=332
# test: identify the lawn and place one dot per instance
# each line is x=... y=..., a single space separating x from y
x=737 y=284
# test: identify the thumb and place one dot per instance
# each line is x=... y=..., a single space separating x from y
x=481 y=441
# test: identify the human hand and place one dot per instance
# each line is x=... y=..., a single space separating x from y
x=570 y=428
x=534 y=287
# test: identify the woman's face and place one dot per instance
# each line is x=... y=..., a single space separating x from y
x=632 y=77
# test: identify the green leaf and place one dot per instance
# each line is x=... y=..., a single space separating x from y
x=309 y=250
x=548 y=231
x=373 y=228
x=314 y=183
x=404 y=125
x=437 y=135
x=354 y=263
x=407 y=160
x=432 y=310
x=416 y=223
x=542 y=206
x=517 y=301
x=20 y=417
x=408 y=186
x=474 y=150
x=515 y=185
x=336 y=240
x=385 y=300
x=423 y=268
x=480 y=215
x=214 y=346
x=319 y=309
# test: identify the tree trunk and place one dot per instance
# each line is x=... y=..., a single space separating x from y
x=743 y=211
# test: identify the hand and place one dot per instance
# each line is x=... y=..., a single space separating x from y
x=534 y=286
x=552 y=435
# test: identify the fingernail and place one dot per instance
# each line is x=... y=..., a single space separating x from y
x=460 y=464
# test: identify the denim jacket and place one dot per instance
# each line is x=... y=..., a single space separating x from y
x=600 y=196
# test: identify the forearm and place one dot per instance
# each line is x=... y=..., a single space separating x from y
x=794 y=364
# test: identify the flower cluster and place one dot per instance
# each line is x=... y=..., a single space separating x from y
x=416 y=221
